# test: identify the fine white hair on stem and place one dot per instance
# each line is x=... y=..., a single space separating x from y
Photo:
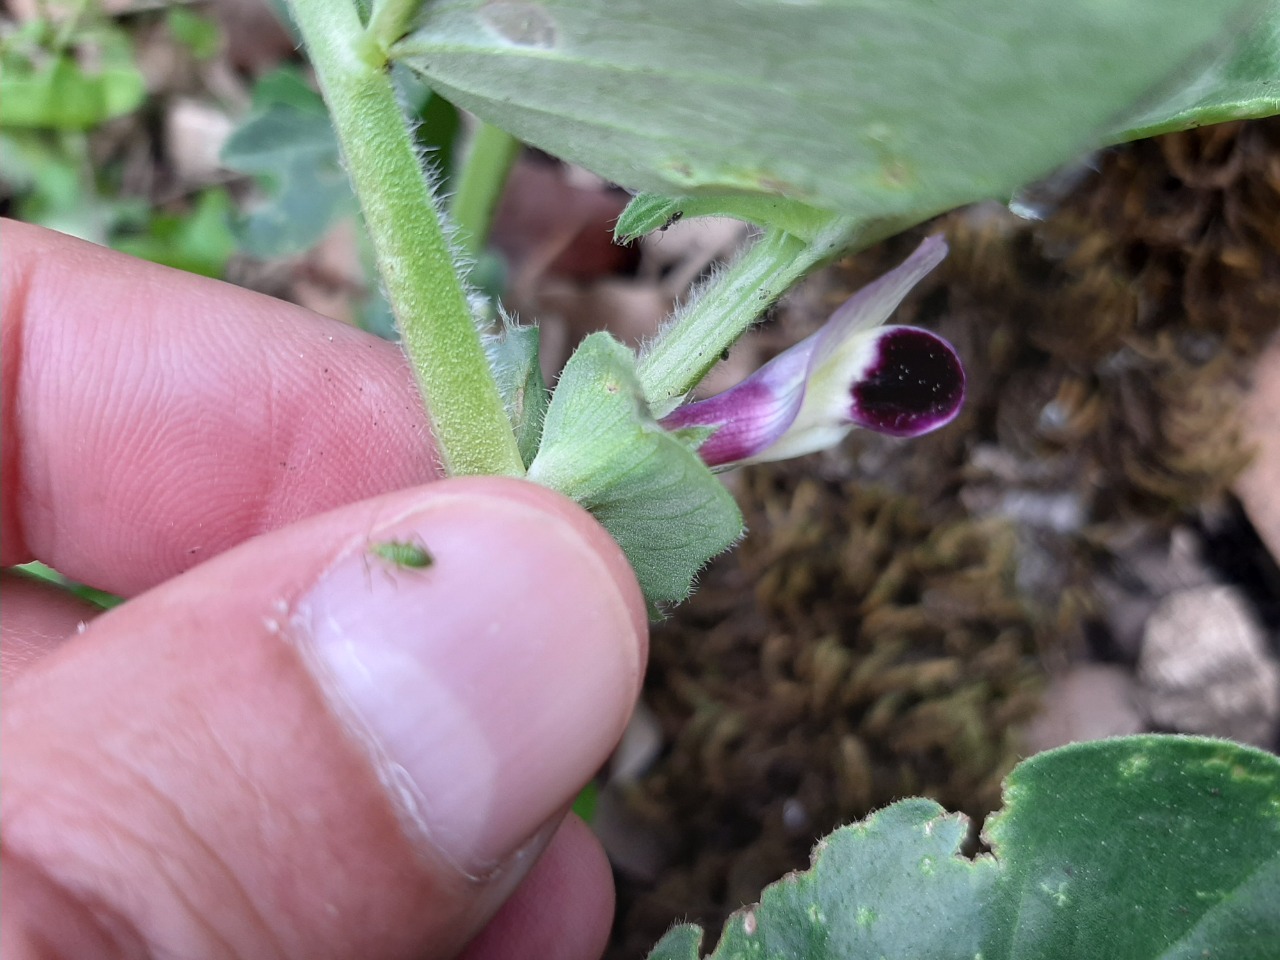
x=463 y=262
x=708 y=281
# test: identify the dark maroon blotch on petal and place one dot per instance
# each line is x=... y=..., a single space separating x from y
x=915 y=384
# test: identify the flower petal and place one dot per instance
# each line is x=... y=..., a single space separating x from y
x=898 y=380
x=874 y=304
x=915 y=384
x=750 y=417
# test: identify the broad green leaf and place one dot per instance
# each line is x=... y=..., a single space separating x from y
x=279 y=137
x=1242 y=82
x=1130 y=849
x=513 y=358
x=601 y=447
x=870 y=107
x=287 y=84
x=1153 y=846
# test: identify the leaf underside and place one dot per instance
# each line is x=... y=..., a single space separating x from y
x=1241 y=82
x=869 y=107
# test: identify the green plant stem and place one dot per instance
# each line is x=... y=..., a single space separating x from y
x=722 y=310
x=426 y=294
x=489 y=158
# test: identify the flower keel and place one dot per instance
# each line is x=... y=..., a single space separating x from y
x=897 y=380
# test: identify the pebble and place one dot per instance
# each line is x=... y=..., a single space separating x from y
x=1087 y=702
x=1204 y=667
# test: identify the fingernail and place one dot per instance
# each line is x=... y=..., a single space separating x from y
x=491 y=680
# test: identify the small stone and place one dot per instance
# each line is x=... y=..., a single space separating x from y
x=1204 y=667
x=195 y=133
x=639 y=747
x=1088 y=702
x=1256 y=486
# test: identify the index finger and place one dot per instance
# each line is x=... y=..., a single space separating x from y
x=152 y=418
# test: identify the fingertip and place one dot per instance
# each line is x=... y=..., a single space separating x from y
x=523 y=682
x=196 y=414
x=595 y=538
x=563 y=910
x=38 y=617
x=185 y=758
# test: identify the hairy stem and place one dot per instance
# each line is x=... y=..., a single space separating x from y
x=725 y=307
x=413 y=255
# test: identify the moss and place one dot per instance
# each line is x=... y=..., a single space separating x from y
x=854 y=650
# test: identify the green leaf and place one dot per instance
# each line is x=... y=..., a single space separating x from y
x=99 y=598
x=53 y=184
x=513 y=358
x=1138 y=847
x=279 y=137
x=601 y=447
x=287 y=143
x=439 y=128
x=200 y=241
x=585 y=803
x=648 y=212
x=286 y=85
x=1242 y=82
x=59 y=94
x=870 y=107
x=201 y=35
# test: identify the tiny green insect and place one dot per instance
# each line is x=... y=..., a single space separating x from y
x=404 y=553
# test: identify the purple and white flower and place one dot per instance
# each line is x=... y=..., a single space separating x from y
x=854 y=372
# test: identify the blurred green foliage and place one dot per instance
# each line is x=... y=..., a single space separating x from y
x=69 y=76
x=60 y=82
x=70 y=85
x=199 y=34
x=288 y=146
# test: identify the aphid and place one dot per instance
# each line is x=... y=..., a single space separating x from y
x=404 y=553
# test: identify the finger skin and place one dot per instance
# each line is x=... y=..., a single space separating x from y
x=555 y=913
x=177 y=765
x=38 y=617
x=151 y=419
x=43 y=921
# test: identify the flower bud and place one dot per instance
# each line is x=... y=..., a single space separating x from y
x=900 y=381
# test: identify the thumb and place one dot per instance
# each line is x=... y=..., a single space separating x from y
x=304 y=748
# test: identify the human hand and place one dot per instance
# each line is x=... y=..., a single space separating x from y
x=282 y=745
